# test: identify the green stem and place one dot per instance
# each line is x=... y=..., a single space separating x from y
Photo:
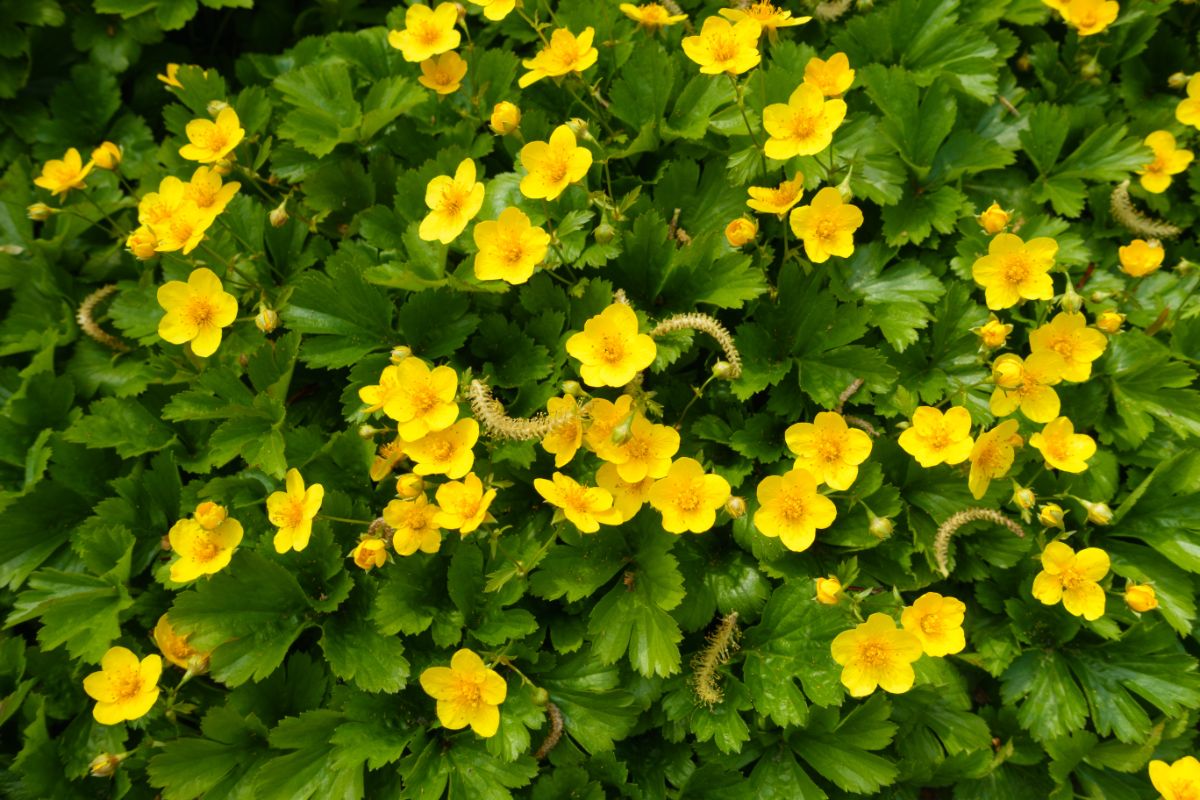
x=741 y=104
x=346 y=520
x=698 y=394
x=124 y=234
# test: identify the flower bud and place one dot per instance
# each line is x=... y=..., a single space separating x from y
x=604 y=232
x=1023 y=497
x=278 y=216
x=210 y=515
x=1089 y=69
x=105 y=764
x=370 y=553
x=1098 y=513
x=107 y=156
x=1070 y=302
x=367 y=432
x=1007 y=371
x=400 y=352
x=880 y=527
x=1110 y=321
x=1141 y=597
x=829 y=590
x=540 y=696
x=40 y=212
x=994 y=333
x=741 y=231
x=215 y=107
x=506 y=118
x=142 y=243
x=1024 y=62
x=1178 y=80
x=736 y=507
x=572 y=388
x=994 y=219
x=579 y=127
x=198 y=663
x=410 y=486
x=224 y=166
x=1051 y=515
x=267 y=319
x=723 y=370
x=461 y=10
x=623 y=430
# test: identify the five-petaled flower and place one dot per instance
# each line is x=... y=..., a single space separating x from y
x=553 y=165
x=1072 y=578
x=722 y=47
x=1062 y=447
x=467 y=693
x=833 y=77
x=1155 y=176
x=585 y=507
x=427 y=32
x=293 y=511
x=651 y=16
x=1026 y=384
x=124 y=688
x=443 y=73
x=769 y=17
x=610 y=349
x=1068 y=335
x=510 y=247
x=688 y=498
x=876 y=653
x=937 y=622
x=804 y=125
x=1177 y=781
x=1015 y=270
x=204 y=543
x=1139 y=258
x=446 y=452
x=647 y=453
x=938 y=438
x=463 y=505
x=826 y=225
x=196 y=311
x=563 y=54
x=210 y=140
x=992 y=456
x=418 y=398
x=453 y=202
x=777 y=200
x=791 y=509
x=175 y=648
x=414 y=525
x=60 y=176
x=829 y=449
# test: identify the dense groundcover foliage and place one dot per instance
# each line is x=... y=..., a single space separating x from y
x=591 y=400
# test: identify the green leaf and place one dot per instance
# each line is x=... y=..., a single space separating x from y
x=124 y=425
x=915 y=219
x=596 y=710
x=778 y=776
x=916 y=125
x=308 y=770
x=642 y=91
x=80 y=611
x=694 y=107
x=357 y=651
x=1049 y=702
x=840 y=751
x=578 y=566
x=1043 y=139
x=326 y=113
x=211 y=766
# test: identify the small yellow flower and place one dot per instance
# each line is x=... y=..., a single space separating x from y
x=107 y=156
x=876 y=653
x=293 y=511
x=170 y=78
x=1090 y=17
x=791 y=510
x=741 y=231
x=610 y=349
x=992 y=456
x=175 y=648
x=156 y=208
x=647 y=453
x=1140 y=597
x=829 y=590
x=142 y=243
x=196 y=311
x=628 y=498
x=419 y=399
x=496 y=10
x=467 y=693
x=993 y=333
x=61 y=176
x=1069 y=336
x=564 y=438
x=208 y=192
x=721 y=47
x=183 y=230
x=1168 y=161
x=415 y=525
x=453 y=202
x=767 y=15
x=1098 y=513
x=605 y=419
x=1062 y=447
x=553 y=165
x=388 y=455
x=651 y=16
x=804 y=125
x=586 y=507
x=446 y=452
x=778 y=200
x=564 y=54
x=1052 y=515
x=210 y=141
x=1015 y=270
x=688 y=498
x=509 y=247
x=369 y=554
x=1188 y=110
x=936 y=438
x=124 y=688
x=994 y=219
x=410 y=486
x=463 y=504
x=829 y=449
x=427 y=32
x=826 y=226
x=1177 y=781
x=506 y=118
x=443 y=73
x=833 y=77
x=1139 y=258
x=1026 y=384
x=1072 y=578
x=937 y=622
x=1110 y=321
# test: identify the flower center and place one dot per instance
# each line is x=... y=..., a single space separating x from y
x=182 y=229
x=932 y=624
x=637 y=449
x=803 y=126
x=792 y=507
x=654 y=14
x=423 y=399
x=937 y=437
x=688 y=497
x=467 y=693
x=200 y=311
x=453 y=198
x=1071 y=578
x=556 y=167
x=427 y=34
x=127 y=684
x=873 y=654
x=205 y=550
x=442 y=451
x=213 y=139
x=575 y=499
x=612 y=349
x=723 y=47
x=1016 y=268
x=513 y=252
x=829 y=451
x=827 y=229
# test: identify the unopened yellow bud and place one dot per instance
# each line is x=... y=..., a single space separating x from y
x=210 y=515
x=40 y=212
x=572 y=388
x=994 y=333
x=400 y=352
x=1098 y=513
x=224 y=166
x=1051 y=515
x=107 y=156
x=741 y=231
x=142 y=243
x=1023 y=497
x=1007 y=372
x=736 y=507
x=370 y=553
x=994 y=219
x=105 y=764
x=829 y=590
x=506 y=118
x=409 y=486
x=266 y=320
x=1141 y=597
x=880 y=527
x=1110 y=321
x=1070 y=302
x=215 y=107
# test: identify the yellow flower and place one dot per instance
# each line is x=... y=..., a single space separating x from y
x=554 y=165
x=1069 y=336
x=628 y=498
x=446 y=452
x=767 y=15
x=829 y=449
x=496 y=10
x=586 y=507
x=1014 y=270
x=415 y=525
x=565 y=437
x=1073 y=578
x=937 y=622
x=778 y=200
x=829 y=590
x=202 y=551
x=651 y=16
x=183 y=230
x=610 y=348
x=993 y=333
x=1188 y=110
x=196 y=311
x=1178 y=781
x=1062 y=447
x=207 y=191
x=210 y=515
x=427 y=32
x=826 y=226
x=992 y=456
x=292 y=511
x=1110 y=321
x=721 y=47
x=509 y=247
x=876 y=653
x=156 y=208
x=142 y=243
x=688 y=498
x=506 y=118
x=419 y=399
x=1051 y=516
x=833 y=77
x=61 y=176
x=1140 y=597
x=1090 y=16
x=937 y=438
x=444 y=73
x=370 y=553
x=1026 y=385
x=791 y=510
x=175 y=648
x=1156 y=175
x=453 y=202
x=565 y=53
x=386 y=459
x=170 y=78
x=605 y=418
x=210 y=141
x=463 y=504
x=1139 y=258
x=410 y=486
x=647 y=452
x=741 y=231
x=124 y=688
x=994 y=219
x=803 y=126
x=107 y=156
x=467 y=693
